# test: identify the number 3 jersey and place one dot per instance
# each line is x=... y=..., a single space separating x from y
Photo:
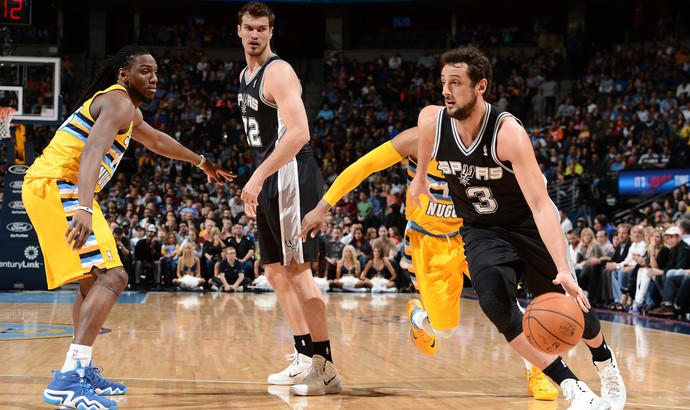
x=484 y=189
x=261 y=118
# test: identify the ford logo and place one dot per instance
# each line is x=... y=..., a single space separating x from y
x=18 y=169
x=16 y=205
x=16 y=184
x=19 y=227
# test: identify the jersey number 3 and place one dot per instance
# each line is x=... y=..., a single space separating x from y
x=251 y=127
x=487 y=203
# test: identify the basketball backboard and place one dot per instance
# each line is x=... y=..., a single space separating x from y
x=31 y=85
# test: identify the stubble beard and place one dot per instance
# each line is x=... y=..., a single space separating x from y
x=255 y=52
x=141 y=96
x=464 y=112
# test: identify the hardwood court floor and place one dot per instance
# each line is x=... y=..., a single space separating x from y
x=214 y=351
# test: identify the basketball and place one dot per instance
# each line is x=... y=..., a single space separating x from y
x=553 y=323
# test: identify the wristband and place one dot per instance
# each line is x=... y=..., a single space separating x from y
x=85 y=209
x=203 y=159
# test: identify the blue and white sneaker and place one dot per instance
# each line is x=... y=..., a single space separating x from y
x=100 y=385
x=70 y=390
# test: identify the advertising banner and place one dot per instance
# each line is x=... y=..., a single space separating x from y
x=21 y=261
x=651 y=182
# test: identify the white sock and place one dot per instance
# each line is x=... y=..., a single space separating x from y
x=426 y=325
x=77 y=356
x=421 y=320
x=528 y=365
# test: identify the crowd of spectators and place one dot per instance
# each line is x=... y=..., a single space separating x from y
x=641 y=266
x=628 y=108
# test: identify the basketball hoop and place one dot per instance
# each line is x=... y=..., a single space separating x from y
x=6 y=114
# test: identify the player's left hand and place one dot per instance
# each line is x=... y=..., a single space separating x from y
x=250 y=196
x=573 y=290
x=216 y=173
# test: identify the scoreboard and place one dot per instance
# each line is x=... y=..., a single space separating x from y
x=15 y=12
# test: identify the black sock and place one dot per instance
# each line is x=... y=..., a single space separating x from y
x=304 y=345
x=601 y=353
x=559 y=371
x=323 y=349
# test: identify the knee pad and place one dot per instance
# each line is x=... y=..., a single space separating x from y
x=592 y=325
x=114 y=279
x=496 y=291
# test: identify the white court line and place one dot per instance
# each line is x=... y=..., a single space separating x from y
x=372 y=388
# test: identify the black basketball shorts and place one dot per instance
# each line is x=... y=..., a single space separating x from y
x=285 y=198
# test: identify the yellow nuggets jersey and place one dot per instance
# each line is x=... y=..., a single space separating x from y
x=434 y=253
x=50 y=196
x=434 y=218
x=61 y=158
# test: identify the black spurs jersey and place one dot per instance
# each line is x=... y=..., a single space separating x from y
x=261 y=118
x=484 y=189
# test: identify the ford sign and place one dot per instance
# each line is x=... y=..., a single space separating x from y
x=18 y=169
x=16 y=205
x=16 y=184
x=19 y=227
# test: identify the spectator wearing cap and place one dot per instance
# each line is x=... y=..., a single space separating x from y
x=676 y=282
x=125 y=225
x=580 y=224
x=138 y=234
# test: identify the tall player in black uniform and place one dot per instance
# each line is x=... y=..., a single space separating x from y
x=511 y=225
x=285 y=185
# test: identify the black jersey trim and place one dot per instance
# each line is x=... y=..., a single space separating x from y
x=437 y=134
x=261 y=86
x=456 y=135
x=494 y=141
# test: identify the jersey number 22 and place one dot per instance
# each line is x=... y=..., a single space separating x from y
x=251 y=127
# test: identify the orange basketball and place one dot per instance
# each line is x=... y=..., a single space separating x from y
x=553 y=323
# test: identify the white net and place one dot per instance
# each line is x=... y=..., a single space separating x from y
x=6 y=114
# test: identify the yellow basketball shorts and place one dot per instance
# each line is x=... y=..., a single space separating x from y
x=50 y=205
x=437 y=266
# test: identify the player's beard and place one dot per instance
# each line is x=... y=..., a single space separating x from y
x=257 y=52
x=141 y=96
x=464 y=112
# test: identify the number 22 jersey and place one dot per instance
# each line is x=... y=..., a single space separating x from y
x=261 y=118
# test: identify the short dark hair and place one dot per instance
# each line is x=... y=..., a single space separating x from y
x=117 y=231
x=257 y=9
x=478 y=65
x=684 y=225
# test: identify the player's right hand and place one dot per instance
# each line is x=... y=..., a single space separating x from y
x=418 y=187
x=79 y=230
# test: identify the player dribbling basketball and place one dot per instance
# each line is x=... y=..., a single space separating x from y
x=511 y=226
